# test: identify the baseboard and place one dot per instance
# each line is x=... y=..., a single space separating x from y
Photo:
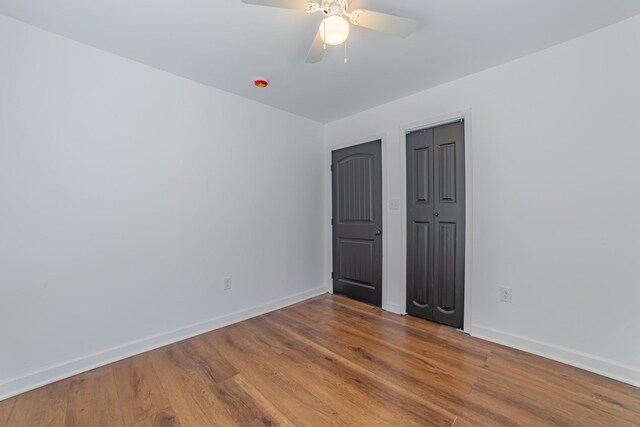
x=53 y=373
x=588 y=362
x=394 y=308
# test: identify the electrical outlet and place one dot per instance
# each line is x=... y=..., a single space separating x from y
x=227 y=283
x=394 y=204
x=505 y=294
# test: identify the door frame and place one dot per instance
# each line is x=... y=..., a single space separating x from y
x=329 y=209
x=468 y=178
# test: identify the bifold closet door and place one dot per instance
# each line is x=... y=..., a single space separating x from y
x=436 y=223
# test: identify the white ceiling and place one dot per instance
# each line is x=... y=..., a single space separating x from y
x=227 y=44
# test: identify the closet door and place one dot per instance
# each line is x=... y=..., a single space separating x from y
x=435 y=223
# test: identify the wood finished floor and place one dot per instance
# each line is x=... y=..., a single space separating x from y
x=330 y=361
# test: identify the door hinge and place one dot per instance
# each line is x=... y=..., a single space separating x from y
x=331 y=221
x=332 y=275
x=331 y=168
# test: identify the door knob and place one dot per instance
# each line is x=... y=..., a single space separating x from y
x=436 y=214
x=378 y=232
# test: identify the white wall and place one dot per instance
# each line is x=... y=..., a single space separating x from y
x=555 y=151
x=126 y=194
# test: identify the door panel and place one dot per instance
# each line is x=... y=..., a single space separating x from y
x=435 y=223
x=423 y=175
x=355 y=263
x=421 y=263
x=357 y=222
x=354 y=178
x=445 y=266
x=447 y=173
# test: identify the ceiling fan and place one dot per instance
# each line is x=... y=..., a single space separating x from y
x=334 y=29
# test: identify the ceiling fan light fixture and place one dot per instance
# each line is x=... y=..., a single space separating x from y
x=334 y=30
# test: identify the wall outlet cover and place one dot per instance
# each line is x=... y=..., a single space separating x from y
x=506 y=294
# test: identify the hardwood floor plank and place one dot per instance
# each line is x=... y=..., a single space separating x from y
x=356 y=399
x=325 y=401
x=246 y=408
x=93 y=400
x=352 y=376
x=274 y=416
x=408 y=372
x=164 y=418
x=139 y=391
x=376 y=353
x=432 y=351
x=207 y=360
x=437 y=355
x=452 y=345
x=411 y=322
x=42 y=406
x=190 y=395
x=291 y=397
x=6 y=409
x=222 y=399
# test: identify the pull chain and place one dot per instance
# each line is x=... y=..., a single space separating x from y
x=345 y=52
x=324 y=30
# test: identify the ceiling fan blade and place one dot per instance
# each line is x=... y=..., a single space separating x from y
x=316 y=53
x=384 y=23
x=300 y=5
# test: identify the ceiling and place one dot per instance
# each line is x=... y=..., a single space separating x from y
x=227 y=44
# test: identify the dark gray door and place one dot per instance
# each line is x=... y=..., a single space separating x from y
x=357 y=222
x=435 y=223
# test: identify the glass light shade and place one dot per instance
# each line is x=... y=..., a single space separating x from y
x=334 y=30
